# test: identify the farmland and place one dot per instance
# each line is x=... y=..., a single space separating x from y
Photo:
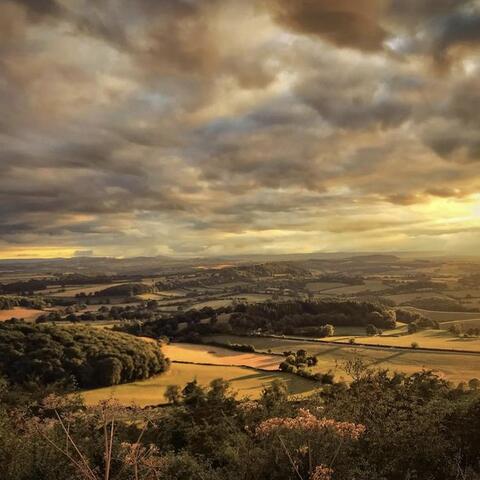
x=28 y=314
x=455 y=367
x=247 y=382
x=176 y=290
x=438 y=339
x=219 y=356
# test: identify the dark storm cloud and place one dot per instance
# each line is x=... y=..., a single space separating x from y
x=346 y=23
x=201 y=126
x=40 y=7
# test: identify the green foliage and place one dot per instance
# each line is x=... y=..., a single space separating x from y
x=315 y=318
x=88 y=357
x=371 y=330
x=410 y=427
x=125 y=290
x=8 y=302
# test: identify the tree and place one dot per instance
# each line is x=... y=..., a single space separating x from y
x=275 y=394
x=371 y=330
x=329 y=330
x=412 y=327
x=474 y=384
x=173 y=394
x=193 y=394
x=109 y=371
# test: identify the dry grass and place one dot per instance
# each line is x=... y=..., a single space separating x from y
x=426 y=339
x=219 y=356
x=248 y=383
x=442 y=317
x=29 y=314
x=456 y=367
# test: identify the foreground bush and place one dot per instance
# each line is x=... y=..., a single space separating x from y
x=382 y=426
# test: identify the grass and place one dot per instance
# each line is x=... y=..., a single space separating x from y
x=463 y=324
x=426 y=339
x=320 y=286
x=442 y=317
x=456 y=367
x=370 y=285
x=248 y=383
x=219 y=356
x=28 y=314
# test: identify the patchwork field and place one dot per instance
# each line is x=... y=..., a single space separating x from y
x=27 y=314
x=425 y=339
x=456 y=367
x=247 y=382
x=187 y=352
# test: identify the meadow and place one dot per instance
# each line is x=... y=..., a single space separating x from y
x=28 y=314
x=443 y=317
x=247 y=382
x=214 y=355
x=456 y=367
x=425 y=339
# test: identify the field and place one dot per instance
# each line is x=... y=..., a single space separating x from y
x=370 y=285
x=425 y=339
x=27 y=314
x=219 y=356
x=247 y=382
x=456 y=367
x=68 y=292
x=442 y=317
x=321 y=286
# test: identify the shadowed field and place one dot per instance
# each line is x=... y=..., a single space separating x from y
x=186 y=352
x=247 y=382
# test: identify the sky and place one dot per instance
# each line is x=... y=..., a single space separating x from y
x=216 y=127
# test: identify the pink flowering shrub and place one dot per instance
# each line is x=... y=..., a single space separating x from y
x=304 y=441
x=307 y=422
x=321 y=473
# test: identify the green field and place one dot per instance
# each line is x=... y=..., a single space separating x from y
x=456 y=367
x=247 y=382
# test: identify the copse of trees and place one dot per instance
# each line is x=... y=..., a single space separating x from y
x=8 y=302
x=415 y=320
x=289 y=318
x=299 y=363
x=82 y=356
x=124 y=290
x=309 y=317
x=28 y=287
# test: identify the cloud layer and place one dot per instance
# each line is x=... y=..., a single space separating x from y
x=195 y=127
